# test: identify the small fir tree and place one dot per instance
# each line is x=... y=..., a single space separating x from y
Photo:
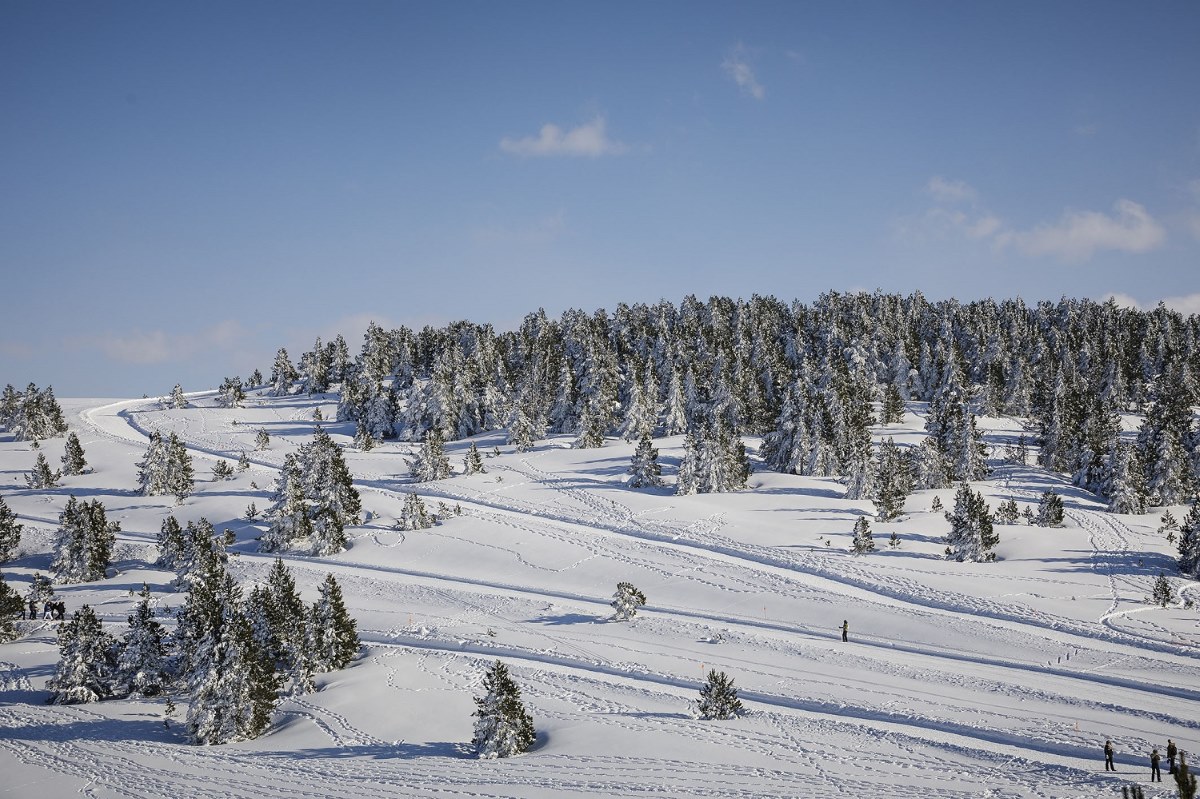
x=178 y=400
x=1168 y=524
x=644 y=469
x=10 y=532
x=936 y=505
x=719 y=698
x=894 y=541
x=503 y=727
x=243 y=462
x=41 y=476
x=141 y=662
x=626 y=601
x=971 y=536
x=1050 y=510
x=333 y=632
x=1185 y=781
x=73 y=460
x=473 y=462
x=1189 y=542
x=414 y=515
x=11 y=605
x=262 y=439
x=1162 y=595
x=222 y=471
x=893 y=405
x=863 y=541
x=1007 y=512
x=85 y=542
x=430 y=462
x=86 y=665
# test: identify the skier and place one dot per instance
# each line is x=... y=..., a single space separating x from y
x=32 y=608
x=845 y=630
x=1171 y=752
x=1108 y=757
x=1155 y=774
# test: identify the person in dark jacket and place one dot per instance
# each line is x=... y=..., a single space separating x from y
x=1108 y=757
x=1171 y=752
x=1155 y=774
x=845 y=630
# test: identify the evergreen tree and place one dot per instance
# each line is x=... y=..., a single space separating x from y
x=893 y=481
x=279 y=621
x=522 y=432
x=221 y=470
x=928 y=466
x=289 y=509
x=1123 y=483
x=10 y=532
x=971 y=536
x=283 y=374
x=414 y=516
x=1168 y=524
x=689 y=479
x=178 y=400
x=171 y=543
x=1162 y=594
x=86 y=665
x=1189 y=542
x=473 y=462
x=262 y=439
x=1050 y=510
x=1185 y=781
x=719 y=698
x=73 y=461
x=893 y=405
x=431 y=462
x=243 y=462
x=11 y=605
x=1006 y=512
x=333 y=502
x=333 y=633
x=40 y=476
x=231 y=394
x=626 y=601
x=503 y=727
x=863 y=541
x=141 y=662
x=85 y=542
x=644 y=469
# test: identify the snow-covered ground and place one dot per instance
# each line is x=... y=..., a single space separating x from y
x=997 y=680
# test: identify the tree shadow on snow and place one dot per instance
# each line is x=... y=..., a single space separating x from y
x=566 y=618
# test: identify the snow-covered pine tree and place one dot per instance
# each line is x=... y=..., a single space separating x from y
x=522 y=432
x=591 y=427
x=1006 y=512
x=85 y=542
x=893 y=481
x=430 y=462
x=333 y=501
x=644 y=469
x=141 y=661
x=1189 y=542
x=279 y=620
x=153 y=468
x=893 y=405
x=289 y=509
x=332 y=632
x=170 y=543
x=1162 y=595
x=11 y=606
x=503 y=727
x=862 y=542
x=85 y=666
x=231 y=394
x=243 y=462
x=262 y=439
x=221 y=470
x=626 y=601
x=180 y=480
x=718 y=698
x=971 y=536
x=178 y=400
x=473 y=462
x=73 y=460
x=1050 y=510
x=1124 y=484
x=928 y=466
x=283 y=374
x=413 y=515
x=10 y=406
x=41 y=476
x=689 y=480
x=10 y=532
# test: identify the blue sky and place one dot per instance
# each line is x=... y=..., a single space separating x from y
x=186 y=187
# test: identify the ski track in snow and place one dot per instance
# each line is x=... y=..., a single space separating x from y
x=921 y=705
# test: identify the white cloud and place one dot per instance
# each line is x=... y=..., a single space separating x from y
x=589 y=139
x=1123 y=300
x=1187 y=304
x=1079 y=235
x=736 y=67
x=949 y=191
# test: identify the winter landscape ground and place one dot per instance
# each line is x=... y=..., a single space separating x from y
x=994 y=679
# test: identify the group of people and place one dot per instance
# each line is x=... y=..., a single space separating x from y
x=55 y=611
x=1155 y=758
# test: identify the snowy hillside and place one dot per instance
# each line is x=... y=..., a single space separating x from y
x=997 y=679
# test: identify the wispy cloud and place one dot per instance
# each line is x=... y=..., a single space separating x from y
x=1078 y=235
x=1187 y=304
x=736 y=67
x=589 y=139
x=949 y=191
